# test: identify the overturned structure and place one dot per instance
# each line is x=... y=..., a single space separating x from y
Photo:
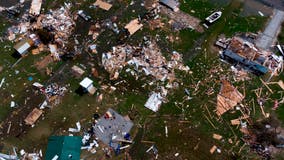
x=227 y=98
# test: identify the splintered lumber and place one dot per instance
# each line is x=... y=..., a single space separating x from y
x=238 y=120
x=270 y=90
x=151 y=142
x=235 y=122
x=217 y=136
x=103 y=5
x=209 y=121
x=213 y=149
x=280 y=83
x=227 y=98
x=33 y=116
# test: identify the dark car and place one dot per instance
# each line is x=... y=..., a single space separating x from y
x=83 y=15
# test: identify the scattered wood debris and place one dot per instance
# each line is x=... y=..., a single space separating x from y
x=33 y=116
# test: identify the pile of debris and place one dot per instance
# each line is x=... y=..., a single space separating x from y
x=240 y=74
x=265 y=137
x=60 y=22
x=55 y=26
x=52 y=91
x=23 y=155
x=147 y=59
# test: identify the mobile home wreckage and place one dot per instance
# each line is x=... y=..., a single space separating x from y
x=241 y=51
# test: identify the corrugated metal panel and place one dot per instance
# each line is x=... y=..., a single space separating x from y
x=24 y=48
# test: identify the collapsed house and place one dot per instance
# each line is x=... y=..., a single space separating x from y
x=56 y=26
x=242 y=52
x=227 y=98
x=113 y=129
x=147 y=59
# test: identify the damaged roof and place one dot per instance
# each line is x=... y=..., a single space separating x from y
x=227 y=98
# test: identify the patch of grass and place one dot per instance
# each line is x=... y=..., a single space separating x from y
x=187 y=40
x=237 y=23
x=281 y=35
x=199 y=8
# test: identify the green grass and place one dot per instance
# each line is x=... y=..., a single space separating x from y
x=237 y=23
x=187 y=40
x=281 y=35
x=199 y=8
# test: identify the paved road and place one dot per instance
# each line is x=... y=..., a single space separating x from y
x=278 y=4
x=269 y=35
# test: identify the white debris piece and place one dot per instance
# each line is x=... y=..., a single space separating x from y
x=124 y=147
x=22 y=152
x=260 y=13
x=10 y=157
x=86 y=138
x=166 y=131
x=13 y=104
x=154 y=102
x=280 y=49
x=38 y=85
x=43 y=105
x=74 y=130
x=55 y=157
x=2 y=82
